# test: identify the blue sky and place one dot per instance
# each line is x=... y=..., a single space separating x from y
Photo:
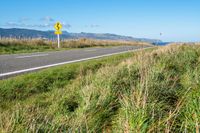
x=177 y=20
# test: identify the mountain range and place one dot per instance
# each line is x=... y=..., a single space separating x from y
x=30 y=33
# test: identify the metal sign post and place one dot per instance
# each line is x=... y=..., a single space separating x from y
x=58 y=35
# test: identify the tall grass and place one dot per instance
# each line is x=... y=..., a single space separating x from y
x=11 y=45
x=151 y=91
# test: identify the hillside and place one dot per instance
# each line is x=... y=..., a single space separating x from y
x=27 y=33
x=155 y=90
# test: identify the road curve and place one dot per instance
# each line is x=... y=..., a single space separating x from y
x=11 y=65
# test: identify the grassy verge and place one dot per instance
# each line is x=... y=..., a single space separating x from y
x=24 y=86
x=13 y=46
x=151 y=91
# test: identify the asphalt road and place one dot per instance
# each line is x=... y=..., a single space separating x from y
x=11 y=65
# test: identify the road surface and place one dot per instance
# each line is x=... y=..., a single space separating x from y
x=11 y=65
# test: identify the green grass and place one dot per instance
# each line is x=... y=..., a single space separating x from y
x=24 y=86
x=149 y=91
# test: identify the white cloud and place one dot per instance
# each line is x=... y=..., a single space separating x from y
x=47 y=19
x=92 y=26
x=47 y=22
x=23 y=20
x=44 y=25
x=10 y=23
x=66 y=25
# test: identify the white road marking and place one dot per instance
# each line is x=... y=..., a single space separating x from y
x=29 y=56
x=67 y=62
x=90 y=50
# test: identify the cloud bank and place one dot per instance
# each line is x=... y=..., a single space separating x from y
x=47 y=22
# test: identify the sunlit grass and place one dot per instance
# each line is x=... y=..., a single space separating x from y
x=149 y=91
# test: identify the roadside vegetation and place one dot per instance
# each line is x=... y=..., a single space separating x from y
x=12 y=46
x=156 y=90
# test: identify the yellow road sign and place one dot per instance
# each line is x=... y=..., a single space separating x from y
x=58 y=26
x=58 y=32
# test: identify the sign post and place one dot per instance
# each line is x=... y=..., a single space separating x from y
x=58 y=35
x=58 y=27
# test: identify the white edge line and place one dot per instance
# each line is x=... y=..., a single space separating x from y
x=90 y=50
x=67 y=62
x=29 y=56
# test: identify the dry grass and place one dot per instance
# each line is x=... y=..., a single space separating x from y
x=11 y=45
x=78 y=43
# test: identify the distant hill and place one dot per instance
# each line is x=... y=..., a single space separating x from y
x=28 y=33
